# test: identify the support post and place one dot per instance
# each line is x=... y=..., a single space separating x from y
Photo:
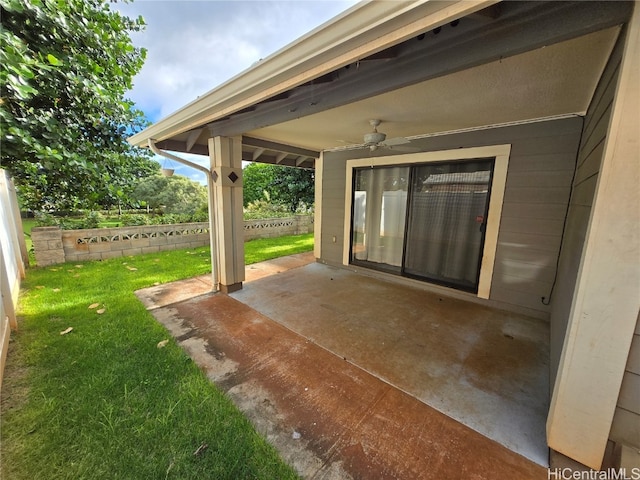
x=225 y=154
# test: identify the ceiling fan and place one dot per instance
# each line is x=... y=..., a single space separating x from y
x=376 y=139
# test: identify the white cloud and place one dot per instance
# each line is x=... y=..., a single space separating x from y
x=193 y=46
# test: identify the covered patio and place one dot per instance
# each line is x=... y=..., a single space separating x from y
x=516 y=122
x=298 y=340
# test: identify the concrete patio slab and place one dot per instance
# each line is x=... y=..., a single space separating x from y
x=329 y=418
x=168 y=293
x=486 y=368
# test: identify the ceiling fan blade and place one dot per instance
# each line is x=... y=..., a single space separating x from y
x=395 y=141
x=406 y=149
x=356 y=146
x=402 y=149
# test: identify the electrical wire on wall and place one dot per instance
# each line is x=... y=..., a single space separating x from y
x=547 y=300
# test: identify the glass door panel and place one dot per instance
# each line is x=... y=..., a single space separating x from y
x=379 y=211
x=446 y=221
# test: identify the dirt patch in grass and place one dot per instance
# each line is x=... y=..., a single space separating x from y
x=15 y=381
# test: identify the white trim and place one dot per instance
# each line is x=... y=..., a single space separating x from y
x=348 y=213
x=501 y=154
x=317 y=209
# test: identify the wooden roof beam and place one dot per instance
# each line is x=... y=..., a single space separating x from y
x=193 y=138
x=257 y=152
x=278 y=147
x=486 y=15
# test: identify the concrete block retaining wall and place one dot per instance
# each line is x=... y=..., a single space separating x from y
x=53 y=245
x=277 y=227
x=47 y=243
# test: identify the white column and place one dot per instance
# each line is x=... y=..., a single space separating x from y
x=225 y=154
x=607 y=293
x=317 y=208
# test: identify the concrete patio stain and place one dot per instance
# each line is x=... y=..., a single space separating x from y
x=327 y=417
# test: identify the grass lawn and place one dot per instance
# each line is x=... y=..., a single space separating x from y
x=262 y=249
x=103 y=401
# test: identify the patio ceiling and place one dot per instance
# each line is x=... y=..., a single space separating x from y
x=508 y=63
x=552 y=81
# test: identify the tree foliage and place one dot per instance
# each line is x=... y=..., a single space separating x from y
x=175 y=194
x=294 y=187
x=284 y=185
x=65 y=68
x=256 y=179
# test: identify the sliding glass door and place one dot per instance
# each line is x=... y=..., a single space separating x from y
x=425 y=221
x=379 y=212
x=446 y=222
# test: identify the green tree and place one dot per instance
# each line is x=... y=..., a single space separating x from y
x=65 y=68
x=293 y=187
x=256 y=179
x=285 y=185
x=175 y=194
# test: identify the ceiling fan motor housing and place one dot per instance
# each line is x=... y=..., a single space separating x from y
x=374 y=138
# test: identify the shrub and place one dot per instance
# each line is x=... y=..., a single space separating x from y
x=265 y=208
x=91 y=220
x=131 y=220
x=45 y=219
x=201 y=215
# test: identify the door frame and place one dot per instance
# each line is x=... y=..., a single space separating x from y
x=499 y=152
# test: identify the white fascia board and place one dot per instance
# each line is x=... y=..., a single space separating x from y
x=360 y=31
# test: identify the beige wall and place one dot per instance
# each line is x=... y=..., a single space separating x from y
x=53 y=245
x=541 y=167
x=277 y=227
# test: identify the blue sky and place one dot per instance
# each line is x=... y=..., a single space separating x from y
x=194 y=46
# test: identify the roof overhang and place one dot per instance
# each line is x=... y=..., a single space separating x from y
x=423 y=67
x=363 y=30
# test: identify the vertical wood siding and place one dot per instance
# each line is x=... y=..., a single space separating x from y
x=541 y=166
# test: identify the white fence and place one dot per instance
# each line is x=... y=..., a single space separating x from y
x=13 y=258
